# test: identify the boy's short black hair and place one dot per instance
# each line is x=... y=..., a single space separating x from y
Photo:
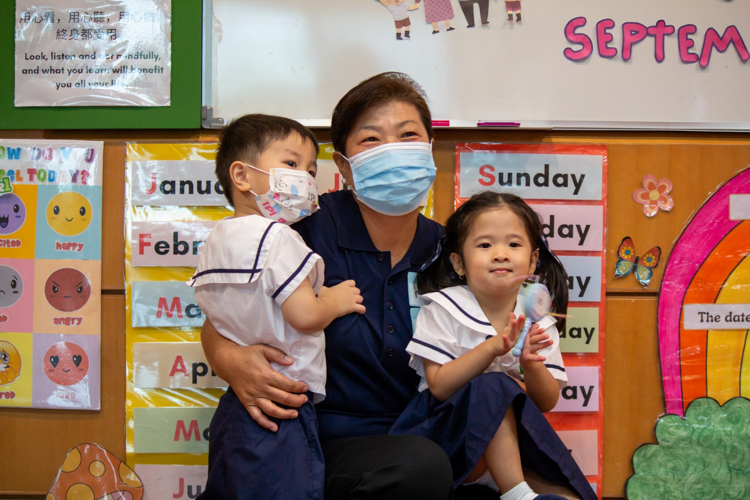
x=245 y=139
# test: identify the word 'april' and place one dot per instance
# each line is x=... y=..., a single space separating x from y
x=634 y=33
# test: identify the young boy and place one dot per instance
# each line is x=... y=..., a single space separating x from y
x=257 y=283
x=400 y=12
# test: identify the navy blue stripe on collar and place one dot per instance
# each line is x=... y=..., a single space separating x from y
x=251 y=272
x=483 y=323
x=555 y=367
x=260 y=245
x=235 y=271
x=294 y=274
x=417 y=341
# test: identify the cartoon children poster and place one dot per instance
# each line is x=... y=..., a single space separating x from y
x=50 y=273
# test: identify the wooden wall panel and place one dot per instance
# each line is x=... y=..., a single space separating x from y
x=696 y=163
x=35 y=441
x=696 y=170
x=113 y=217
x=633 y=397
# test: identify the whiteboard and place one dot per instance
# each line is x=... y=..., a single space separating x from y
x=297 y=58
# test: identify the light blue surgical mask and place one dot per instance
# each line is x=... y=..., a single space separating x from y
x=395 y=177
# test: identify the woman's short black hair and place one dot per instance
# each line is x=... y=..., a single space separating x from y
x=376 y=91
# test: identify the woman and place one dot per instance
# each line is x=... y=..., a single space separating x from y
x=369 y=380
x=378 y=238
x=436 y=11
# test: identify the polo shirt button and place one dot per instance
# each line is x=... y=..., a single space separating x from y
x=389 y=305
x=390 y=329
x=390 y=281
x=381 y=257
x=391 y=352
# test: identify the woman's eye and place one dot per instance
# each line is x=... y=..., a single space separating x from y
x=409 y=134
x=371 y=139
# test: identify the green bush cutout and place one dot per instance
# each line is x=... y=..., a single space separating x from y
x=705 y=455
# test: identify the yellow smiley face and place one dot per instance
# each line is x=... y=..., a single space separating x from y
x=69 y=213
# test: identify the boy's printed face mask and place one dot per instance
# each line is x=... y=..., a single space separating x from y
x=393 y=178
x=292 y=195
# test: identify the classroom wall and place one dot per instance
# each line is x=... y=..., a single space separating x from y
x=36 y=441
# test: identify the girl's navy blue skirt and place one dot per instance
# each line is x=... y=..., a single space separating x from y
x=246 y=461
x=465 y=424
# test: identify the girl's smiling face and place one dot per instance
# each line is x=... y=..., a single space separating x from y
x=496 y=252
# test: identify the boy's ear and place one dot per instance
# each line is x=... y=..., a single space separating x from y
x=458 y=264
x=534 y=260
x=240 y=176
x=344 y=168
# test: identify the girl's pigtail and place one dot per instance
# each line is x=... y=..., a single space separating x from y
x=437 y=273
x=553 y=274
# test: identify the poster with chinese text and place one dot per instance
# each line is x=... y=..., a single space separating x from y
x=93 y=53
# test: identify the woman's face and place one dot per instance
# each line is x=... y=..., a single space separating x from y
x=391 y=122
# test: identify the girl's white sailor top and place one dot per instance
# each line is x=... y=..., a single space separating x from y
x=451 y=323
x=247 y=268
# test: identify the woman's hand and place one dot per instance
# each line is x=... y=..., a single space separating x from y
x=536 y=340
x=248 y=370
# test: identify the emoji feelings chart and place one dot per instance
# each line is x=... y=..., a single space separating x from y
x=50 y=273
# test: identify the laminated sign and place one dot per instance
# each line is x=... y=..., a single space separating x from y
x=93 y=53
x=50 y=273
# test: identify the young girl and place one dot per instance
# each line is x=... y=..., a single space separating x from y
x=464 y=334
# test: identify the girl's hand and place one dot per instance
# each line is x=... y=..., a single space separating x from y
x=536 y=340
x=501 y=344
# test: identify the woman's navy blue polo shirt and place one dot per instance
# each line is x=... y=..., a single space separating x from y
x=369 y=378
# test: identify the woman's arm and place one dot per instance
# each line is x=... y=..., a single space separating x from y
x=445 y=380
x=248 y=370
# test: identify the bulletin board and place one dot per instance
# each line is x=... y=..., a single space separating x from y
x=183 y=113
x=623 y=64
x=173 y=200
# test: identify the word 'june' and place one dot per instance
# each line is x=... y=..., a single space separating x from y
x=634 y=33
x=542 y=179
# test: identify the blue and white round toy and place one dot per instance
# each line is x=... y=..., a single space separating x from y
x=537 y=303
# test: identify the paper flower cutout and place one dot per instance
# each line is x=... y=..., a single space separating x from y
x=654 y=195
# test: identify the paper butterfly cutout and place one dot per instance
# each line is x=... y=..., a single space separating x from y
x=627 y=261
